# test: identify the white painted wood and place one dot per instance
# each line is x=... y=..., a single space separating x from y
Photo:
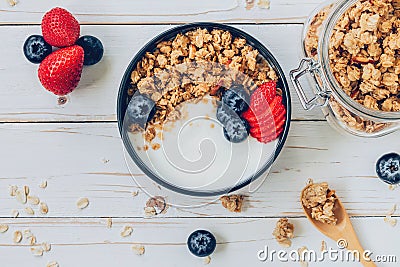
x=70 y=157
x=159 y=11
x=22 y=98
x=88 y=242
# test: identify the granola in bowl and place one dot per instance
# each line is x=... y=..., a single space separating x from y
x=195 y=101
x=193 y=65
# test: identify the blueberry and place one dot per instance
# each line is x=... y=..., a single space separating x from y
x=201 y=243
x=225 y=114
x=236 y=98
x=93 y=49
x=36 y=49
x=141 y=109
x=236 y=130
x=388 y=168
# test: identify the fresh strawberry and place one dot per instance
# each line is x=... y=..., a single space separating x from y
x=271 y=120
x=60 y=28
x=60 y=72
x=266 y=115
x=270 y=138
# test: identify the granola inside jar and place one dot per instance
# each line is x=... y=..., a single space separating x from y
x=351 y=51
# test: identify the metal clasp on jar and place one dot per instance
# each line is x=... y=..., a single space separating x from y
x=321 y=94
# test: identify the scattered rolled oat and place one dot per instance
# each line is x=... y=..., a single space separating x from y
x=27 y=233
x=32 y=240
x=207 y=260
x=17 y=236
x=265 y=4
x=156 y=205
x=126 y=231
x=135 y=193
x=33 y=200
x=3 y=228
x=323 y=245
x=13 y=190
x=44 y=209
x=392 y=187
x=388 y=219
x=43 y=185
x=109 y=222
x=302 y=252
x=29 y=211
x=26 y=190
x=150 y=211
x=233 y=203
x=105 y=161
x=12 y=3
x=21 y=196
x=37 y=251
x=283 y=232
x=138 y=249
x=14 y=213
x=249 y=4
x=321 y=200
x=82 y=203
x=46 y=246
x=52 y=264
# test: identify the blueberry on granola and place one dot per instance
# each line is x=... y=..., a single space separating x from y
x=93 y=49
x=237 y=99
x=388 y=168
x=236 y=130
x=201 y=243
x=36 y=49
x=140 y=110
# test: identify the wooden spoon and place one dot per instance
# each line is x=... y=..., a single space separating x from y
x=343 y=230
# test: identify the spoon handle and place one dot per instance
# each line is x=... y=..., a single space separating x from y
x=354 y=244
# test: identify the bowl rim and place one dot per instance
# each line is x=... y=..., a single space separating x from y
x=167 y=35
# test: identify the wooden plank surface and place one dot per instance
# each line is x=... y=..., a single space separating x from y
x=24 y=99
x=88 y=242
x=86 y=160
x=159 y=11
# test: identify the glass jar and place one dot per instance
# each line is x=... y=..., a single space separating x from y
x=347 y=108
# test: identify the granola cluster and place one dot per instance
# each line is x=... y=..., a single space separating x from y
x=363 y=53
x=195 y=64
x=233 y=203
x=321 y=200
x=314 y=31
x=283 y=232
x=363 y=56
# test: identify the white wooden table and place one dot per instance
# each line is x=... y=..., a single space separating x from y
x=77 y=149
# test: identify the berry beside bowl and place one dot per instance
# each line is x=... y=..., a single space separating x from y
x=388 y=168
x=203 y=110
x=201 y=243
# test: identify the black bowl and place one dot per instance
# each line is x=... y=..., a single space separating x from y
x=123 y=101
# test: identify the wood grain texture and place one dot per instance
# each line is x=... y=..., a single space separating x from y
x=88 y=242
x=159 y=11
x=24 y=99
x=72 y=158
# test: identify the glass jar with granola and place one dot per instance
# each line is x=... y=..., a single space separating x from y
x=351 y=56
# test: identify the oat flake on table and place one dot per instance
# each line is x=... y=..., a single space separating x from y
x=82 y=203
x=52 y=264
x=3 y=228
x=126 y=231
x=138 y=249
